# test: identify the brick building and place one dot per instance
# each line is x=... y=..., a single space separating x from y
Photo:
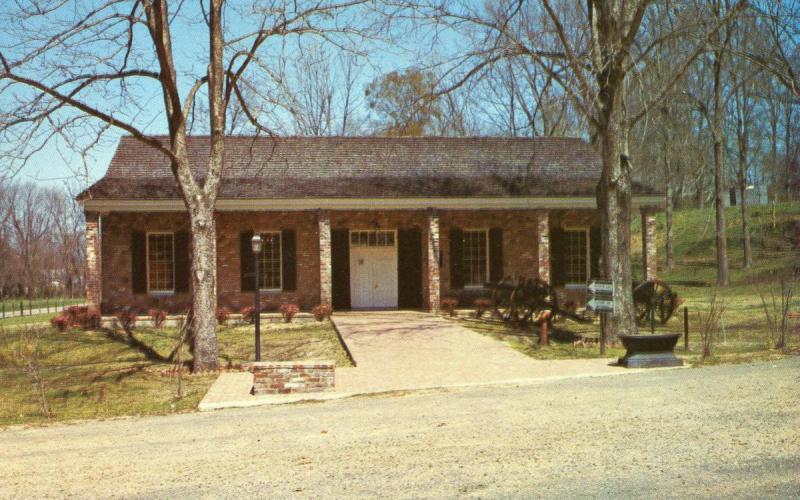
x=361 y=222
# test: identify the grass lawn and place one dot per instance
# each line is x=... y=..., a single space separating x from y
x=98 y=374
x=743 y=335
x=26 y=320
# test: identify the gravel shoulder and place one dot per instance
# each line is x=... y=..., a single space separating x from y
x=720 y=431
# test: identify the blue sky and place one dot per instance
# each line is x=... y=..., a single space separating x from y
x=56 y=162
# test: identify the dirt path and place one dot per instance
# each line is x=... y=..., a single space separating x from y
x=721 y=431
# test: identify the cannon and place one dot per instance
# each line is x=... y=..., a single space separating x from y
x=522 y=300
x=654 y=298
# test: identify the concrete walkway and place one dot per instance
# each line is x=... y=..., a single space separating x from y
x=404 y=351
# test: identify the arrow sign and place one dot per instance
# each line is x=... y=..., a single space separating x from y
x=599 y=305
x=601 y=287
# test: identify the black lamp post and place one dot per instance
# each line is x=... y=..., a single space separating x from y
x=256 y=244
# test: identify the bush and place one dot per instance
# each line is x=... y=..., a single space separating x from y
x=288 y=311
x=158 y=316
x=223 y=313
x=481 y=306
x=84 y=317
x=321 y=312
x=61 y=322
x=248 y=314
x=126 y=318
x=449 y=306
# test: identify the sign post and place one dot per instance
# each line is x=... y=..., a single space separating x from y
x=601 y=300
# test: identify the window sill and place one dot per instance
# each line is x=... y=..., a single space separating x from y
x=270 y=290
x=162 y=293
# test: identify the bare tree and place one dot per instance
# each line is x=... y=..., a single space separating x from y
x=595 y=48
x=114 y=57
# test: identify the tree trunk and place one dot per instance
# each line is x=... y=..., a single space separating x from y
x=748 y=254
x=614 y=200
x=719 y=176
x=668 y=208
x=204 y=289
x=719 y=207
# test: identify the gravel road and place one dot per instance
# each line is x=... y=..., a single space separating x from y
x=719 y=431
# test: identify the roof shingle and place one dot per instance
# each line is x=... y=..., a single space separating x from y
x=293 y=167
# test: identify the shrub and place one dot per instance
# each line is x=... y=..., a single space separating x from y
x=126 y=318
x=288 y=311
x=449 y=306
x=84 y=317
x=158 y=316
x=61 y=322
x=223 y=313
x=481 y=306
x=322 y=312
x=248 y=314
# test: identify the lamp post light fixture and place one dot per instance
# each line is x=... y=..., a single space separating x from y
x=256 y=244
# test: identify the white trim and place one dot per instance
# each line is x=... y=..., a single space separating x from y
x=461 y=203
x=158 y=293
x=485 y=231
x=280 y=262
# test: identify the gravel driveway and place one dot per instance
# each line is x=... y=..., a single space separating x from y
x=720 y=431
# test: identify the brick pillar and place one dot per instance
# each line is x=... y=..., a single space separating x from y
x=649 y=245
x=543 y=245
x=325 y=270
x=434 y=287
x=93 y=272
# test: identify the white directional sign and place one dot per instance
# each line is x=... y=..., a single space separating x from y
x=601 y=287
x=600 y=305
x=601 y=296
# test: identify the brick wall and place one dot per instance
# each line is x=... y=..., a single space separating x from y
x=649 y=249
x=116 y=258
x=520 y=248
x=94 y=292
x=292 y=377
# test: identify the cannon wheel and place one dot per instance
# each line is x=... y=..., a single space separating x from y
x=654 y=295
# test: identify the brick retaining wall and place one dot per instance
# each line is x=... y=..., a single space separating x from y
x=292 y=377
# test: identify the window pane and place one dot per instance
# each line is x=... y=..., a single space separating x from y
x=577 y=245
x=160 y=263
x=475 y=258
x=270 y=262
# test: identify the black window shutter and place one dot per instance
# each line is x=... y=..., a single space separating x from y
x=182 y=262
x=289 y=260
x=558 y=254
x=340 y=261
x=456 y=258
x=246 y=264
x=139 y=262
x=495 y=255
x=409 y=268
x=595 y=252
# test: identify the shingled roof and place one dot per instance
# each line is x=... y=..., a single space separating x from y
x=353 y=167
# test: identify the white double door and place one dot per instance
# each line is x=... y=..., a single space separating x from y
x=373 y=270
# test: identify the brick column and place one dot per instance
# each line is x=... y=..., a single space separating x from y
x=325 y=269
x=434 y=287
x=543 y=245
x=649 y=245
x=93 y=273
